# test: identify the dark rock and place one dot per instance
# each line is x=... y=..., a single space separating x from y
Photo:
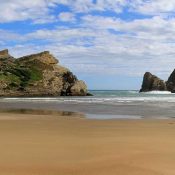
x=171 y=82
x=89 y=94
x=152 y=83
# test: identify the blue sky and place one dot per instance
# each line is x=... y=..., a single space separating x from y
x=107 y=43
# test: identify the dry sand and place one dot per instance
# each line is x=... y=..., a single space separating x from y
x=52 y=145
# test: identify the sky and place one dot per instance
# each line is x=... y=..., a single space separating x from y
x=109 y=44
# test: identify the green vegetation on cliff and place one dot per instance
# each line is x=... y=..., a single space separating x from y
x=20 y=76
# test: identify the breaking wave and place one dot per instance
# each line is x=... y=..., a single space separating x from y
x=157 y=92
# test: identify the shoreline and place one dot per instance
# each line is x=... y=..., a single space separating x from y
x=145 y=110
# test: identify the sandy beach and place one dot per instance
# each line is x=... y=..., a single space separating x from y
x=64 y=145
x=87 y=87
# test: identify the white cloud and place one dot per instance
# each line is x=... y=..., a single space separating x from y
x=7 y=36
x=66 y=17
x=40 y=10
x=153 y=7
x=17 y=10
x=114 y=5
x=149 y=7
x=89 y=5
x=155 y=28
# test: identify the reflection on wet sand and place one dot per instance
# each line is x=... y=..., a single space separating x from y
x=23 y=113
x=53 y=113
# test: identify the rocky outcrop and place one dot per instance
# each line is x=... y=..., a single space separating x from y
x=4 y=54
x=37 y=75
x=152 y=83
x=78 y=87
x=171 y=82
x=44 y=57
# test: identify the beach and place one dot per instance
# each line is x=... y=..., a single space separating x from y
x=113 y=132
x=34 y=144
x=87 y=87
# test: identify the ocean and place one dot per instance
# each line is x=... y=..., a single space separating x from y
x=106 y=96
x=105 y=104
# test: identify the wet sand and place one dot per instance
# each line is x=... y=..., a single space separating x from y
x=33 y=144
x=146 y=109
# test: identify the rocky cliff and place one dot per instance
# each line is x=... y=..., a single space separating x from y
x=37 y=75
x=152 y=83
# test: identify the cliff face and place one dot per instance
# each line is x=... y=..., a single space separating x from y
x=37 y=75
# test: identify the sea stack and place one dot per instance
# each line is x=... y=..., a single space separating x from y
x=37 y=75
x=152 y=83
x=171 y=82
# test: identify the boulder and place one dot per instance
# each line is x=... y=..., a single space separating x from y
x=152 y=83
x=80 y=88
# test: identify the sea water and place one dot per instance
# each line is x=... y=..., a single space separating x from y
x=104 y=104
x=107 y=96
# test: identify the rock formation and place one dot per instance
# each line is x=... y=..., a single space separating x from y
x=4 y=54
x=152 y=83
x=37 y=75
x=171 y=82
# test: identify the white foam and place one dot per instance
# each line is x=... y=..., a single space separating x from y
x=133 y=92
x=164 y=96
x=157 y=92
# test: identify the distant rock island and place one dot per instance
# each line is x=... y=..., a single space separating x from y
x=154 y=83
x=37 y=75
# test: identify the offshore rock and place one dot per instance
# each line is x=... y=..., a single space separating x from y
x=152 y=83
x=37 y=75
x=171 y=82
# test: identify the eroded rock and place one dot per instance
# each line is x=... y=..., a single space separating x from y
x=79 y=87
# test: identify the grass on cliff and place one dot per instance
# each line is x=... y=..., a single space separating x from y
x=9 y=78
x=28 y=75
x=35 y=74
x=21 y=76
